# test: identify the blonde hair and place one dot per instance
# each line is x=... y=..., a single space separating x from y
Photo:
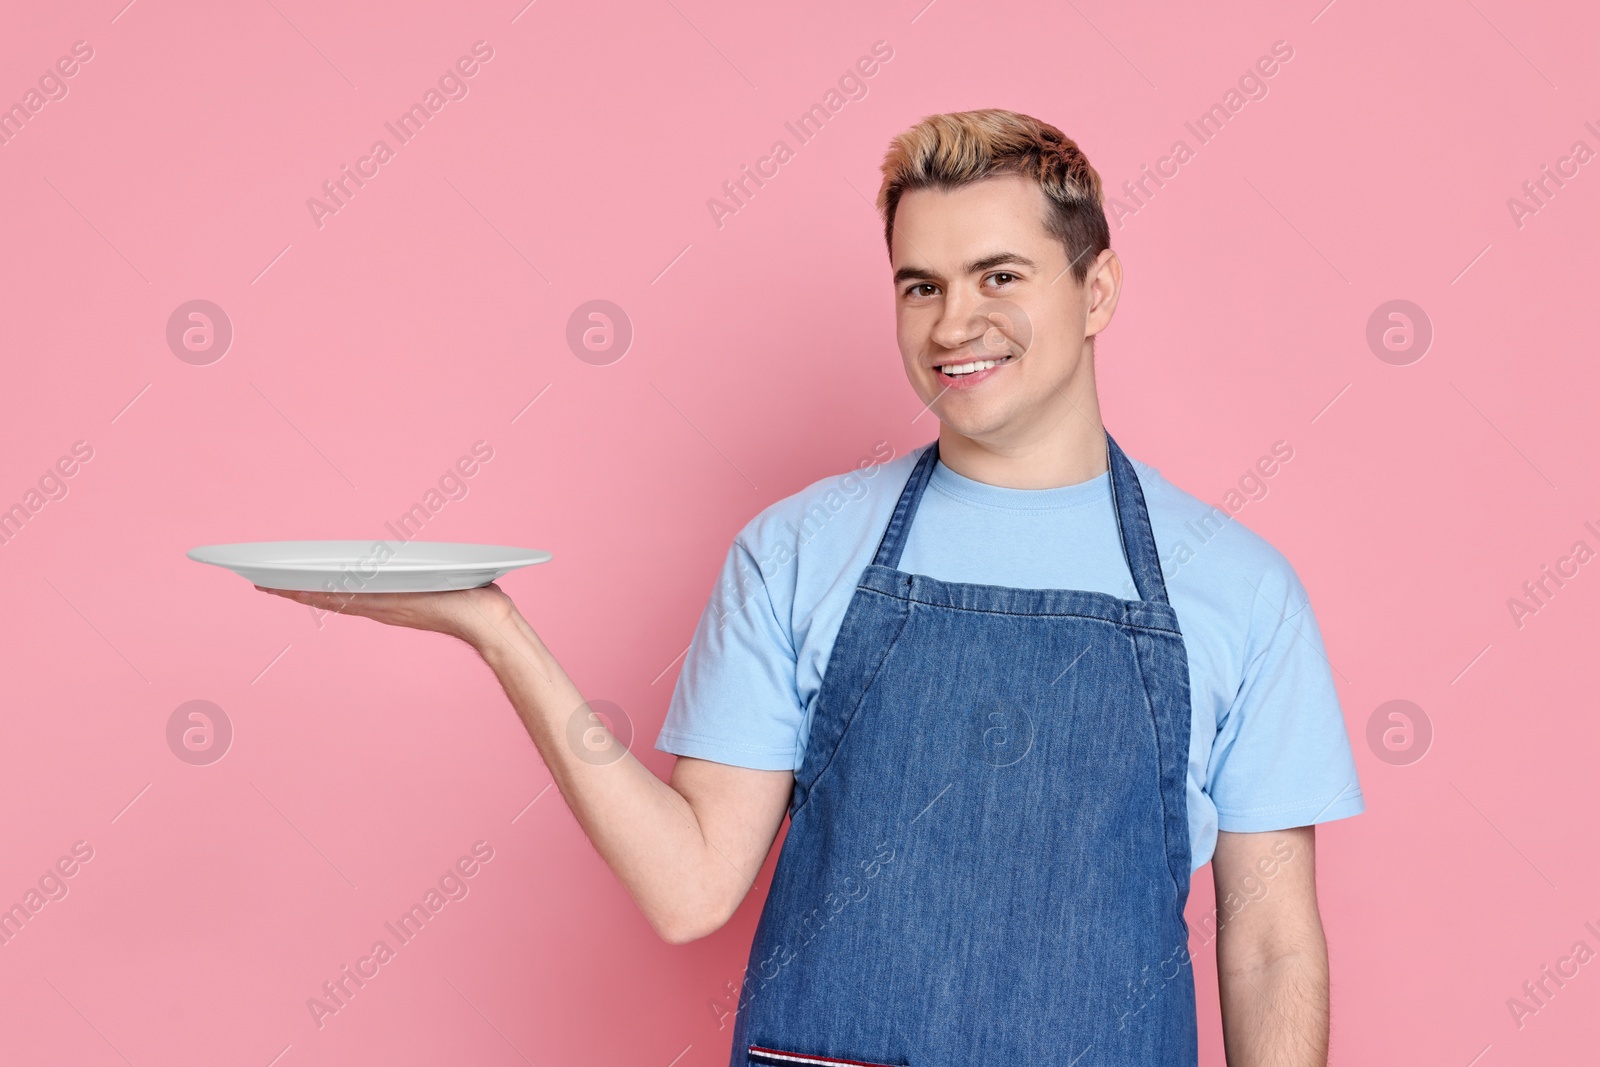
x=958 y=148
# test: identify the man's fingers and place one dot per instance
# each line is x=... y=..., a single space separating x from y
x=325 y=601
x=288 y=594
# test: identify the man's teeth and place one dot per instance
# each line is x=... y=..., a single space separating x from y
x=958 y=369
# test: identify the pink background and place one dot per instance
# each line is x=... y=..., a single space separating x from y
x=426 y=314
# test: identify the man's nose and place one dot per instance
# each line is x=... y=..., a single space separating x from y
x=960 y=324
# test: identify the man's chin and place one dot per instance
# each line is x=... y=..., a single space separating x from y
x=978 y=422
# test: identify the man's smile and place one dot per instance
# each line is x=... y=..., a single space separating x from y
x=967 y=371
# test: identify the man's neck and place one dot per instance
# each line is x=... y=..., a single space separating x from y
x=1070 y=449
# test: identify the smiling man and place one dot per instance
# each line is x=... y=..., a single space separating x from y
x=1004 y=740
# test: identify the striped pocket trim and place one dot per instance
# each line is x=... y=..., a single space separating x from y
x=779 y=1058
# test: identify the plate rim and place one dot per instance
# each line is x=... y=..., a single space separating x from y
x=525 y=557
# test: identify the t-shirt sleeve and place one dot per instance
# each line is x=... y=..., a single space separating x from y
x=736 y=700
x=1282 y=756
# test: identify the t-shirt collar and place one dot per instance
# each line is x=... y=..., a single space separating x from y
x=1081 y=494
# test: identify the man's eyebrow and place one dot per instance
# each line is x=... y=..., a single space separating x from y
x=906 y=274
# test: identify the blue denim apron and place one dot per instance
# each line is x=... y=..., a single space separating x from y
x=988 y=849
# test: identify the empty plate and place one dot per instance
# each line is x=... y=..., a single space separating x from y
x=368 y=566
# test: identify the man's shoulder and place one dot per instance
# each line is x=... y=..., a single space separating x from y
x=834 y=506
x=1207 y=548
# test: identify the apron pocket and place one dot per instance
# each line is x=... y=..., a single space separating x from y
x=760 y=1056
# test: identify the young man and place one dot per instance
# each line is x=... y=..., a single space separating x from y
x=1003 y=737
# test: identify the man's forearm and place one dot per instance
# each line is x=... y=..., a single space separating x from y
x=646 y=831
x=1275 y=1012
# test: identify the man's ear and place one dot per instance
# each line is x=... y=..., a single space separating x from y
x=1103 y=283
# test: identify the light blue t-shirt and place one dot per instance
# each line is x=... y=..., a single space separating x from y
x=1268 y=745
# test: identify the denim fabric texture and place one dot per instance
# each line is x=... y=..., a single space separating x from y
x=988 y=854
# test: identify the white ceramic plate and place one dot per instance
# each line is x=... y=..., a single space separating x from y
x=368 y=566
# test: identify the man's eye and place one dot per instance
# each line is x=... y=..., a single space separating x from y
x=1003 y=274
x=920 y=285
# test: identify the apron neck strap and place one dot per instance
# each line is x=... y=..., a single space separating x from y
x=894 y=536
x=1133 y=523
x=1127 y=502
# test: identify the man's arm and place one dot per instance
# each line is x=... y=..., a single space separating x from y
x=1272 y=959
x=688 y=852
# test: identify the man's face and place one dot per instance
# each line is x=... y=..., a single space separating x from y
x=977 y=278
